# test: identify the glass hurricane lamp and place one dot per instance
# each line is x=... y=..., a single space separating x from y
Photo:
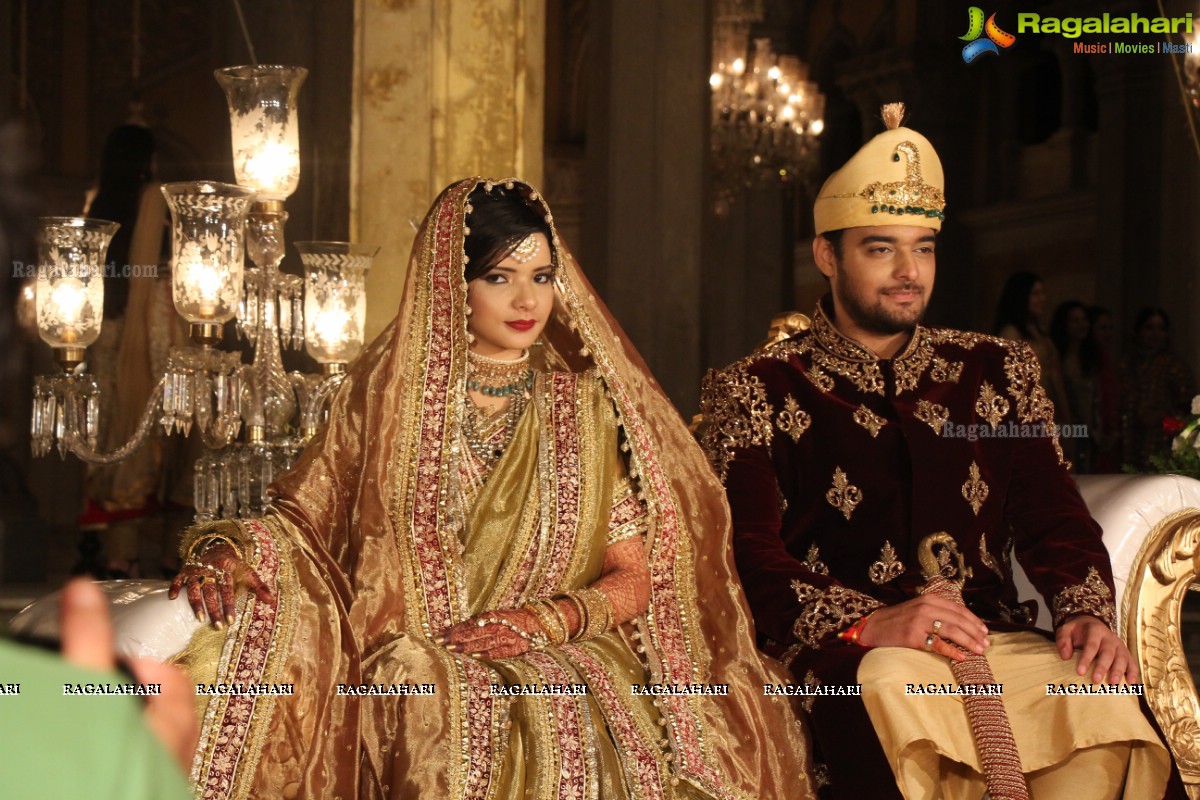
x=207 y=253
x=265 y=131
x=70 y=283
x=335 y=301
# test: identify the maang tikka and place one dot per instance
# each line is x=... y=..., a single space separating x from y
x=527 y=249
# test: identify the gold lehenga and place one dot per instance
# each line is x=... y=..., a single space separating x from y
x=390 y=530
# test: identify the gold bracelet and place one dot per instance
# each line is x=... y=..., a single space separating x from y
x=550 y=626
x=208 y=542
x=563 y=630
x=599 y=612
x=200 y=537
x=562 y=618
x=580 y=610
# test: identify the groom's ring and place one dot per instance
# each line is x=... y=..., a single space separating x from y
x=929 y=642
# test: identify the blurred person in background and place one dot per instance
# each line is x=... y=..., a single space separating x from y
x=1071 y=332
x=1156 y=385
x=1019 y=317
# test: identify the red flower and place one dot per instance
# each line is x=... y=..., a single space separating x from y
x=1172 y=425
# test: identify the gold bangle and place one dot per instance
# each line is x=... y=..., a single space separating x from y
x=550 y=626
x=599 y=613
x=199 y=538
x=562 y=630
x=561 y=617
x=580 y=611
x=211 y=539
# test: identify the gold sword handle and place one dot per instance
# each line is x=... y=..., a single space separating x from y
x=931 y=567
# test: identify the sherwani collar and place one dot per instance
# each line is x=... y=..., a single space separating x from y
x=854 y=358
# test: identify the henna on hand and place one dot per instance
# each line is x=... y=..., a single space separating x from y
x=625 y=579
x=211 y=582
x=493 y=640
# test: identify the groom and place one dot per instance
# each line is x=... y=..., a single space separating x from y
x=838 y=454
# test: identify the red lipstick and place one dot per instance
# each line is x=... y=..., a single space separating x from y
x=521 y=325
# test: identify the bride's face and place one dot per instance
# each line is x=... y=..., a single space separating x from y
x=511 y=303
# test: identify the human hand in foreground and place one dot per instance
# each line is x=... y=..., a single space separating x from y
x=87 y=641
x=910 y=623
x=211 y=580
x=496 y=638
x=1101 y=650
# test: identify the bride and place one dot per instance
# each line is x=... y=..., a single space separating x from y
x=502 y=571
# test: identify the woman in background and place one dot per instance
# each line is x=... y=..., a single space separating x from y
x=139 y=327
x=1156 y=384
x=1019 y=317
x=1071 y=332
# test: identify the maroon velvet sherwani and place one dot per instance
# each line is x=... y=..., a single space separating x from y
x=837 y=463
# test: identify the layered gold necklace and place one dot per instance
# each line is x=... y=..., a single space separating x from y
x=488 y=433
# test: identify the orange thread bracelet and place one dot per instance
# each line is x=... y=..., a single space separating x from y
x=851 y=634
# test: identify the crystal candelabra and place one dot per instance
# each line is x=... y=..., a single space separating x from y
x=253 y=419
x=766 y=114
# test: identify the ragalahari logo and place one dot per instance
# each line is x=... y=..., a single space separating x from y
x=976 y=28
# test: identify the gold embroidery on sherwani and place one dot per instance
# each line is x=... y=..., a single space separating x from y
x=736 y=414
x=1024 y=385
x=912 y=362
x=964 y=339
x=825 y=611
x=944 y=371
x=990 y=405
x=934 y=415
x=793 y=420
x=888 y=567
x=1090 y=597
x=819 y=379
x=842 y=356
x=812 y=560
x=811 y=682
x=975 y=491
x=988 y=559
x=844 y=496
x=868 y=419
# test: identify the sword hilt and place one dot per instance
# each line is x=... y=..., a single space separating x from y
x=931 y=567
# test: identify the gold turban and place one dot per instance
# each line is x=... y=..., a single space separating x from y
x=894 y=179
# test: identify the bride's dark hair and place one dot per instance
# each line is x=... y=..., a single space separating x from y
x=499 y=221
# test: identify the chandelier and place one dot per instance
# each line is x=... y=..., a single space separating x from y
x=766 y=114
x=253 y=418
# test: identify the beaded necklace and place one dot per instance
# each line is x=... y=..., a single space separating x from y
x=489 y=434
x=496 y=377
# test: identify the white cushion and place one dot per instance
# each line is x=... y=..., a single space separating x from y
x=148 y=624
x=1127 y=508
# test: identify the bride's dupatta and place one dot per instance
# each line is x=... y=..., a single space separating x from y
x=372 y=555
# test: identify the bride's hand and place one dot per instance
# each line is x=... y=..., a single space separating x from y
x=493 y=635
x=211 y=581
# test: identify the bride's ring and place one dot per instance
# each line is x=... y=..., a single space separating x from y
x=929 y=642
x=937 y=626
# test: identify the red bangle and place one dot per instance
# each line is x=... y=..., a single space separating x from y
x=851 y=634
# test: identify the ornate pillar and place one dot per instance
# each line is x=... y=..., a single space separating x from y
x=442 y=90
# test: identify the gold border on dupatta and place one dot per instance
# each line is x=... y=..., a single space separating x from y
x=275 y=553
x=673 y=630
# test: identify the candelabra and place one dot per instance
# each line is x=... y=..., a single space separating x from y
x=253 y=419
x=766 y=114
